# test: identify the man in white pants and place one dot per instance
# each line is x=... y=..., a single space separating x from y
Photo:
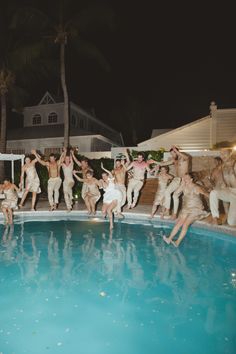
x=182 y=164
x=227 y=193
x=68 y=183
x=54 y=181
x=119 y=172
x=136 y=182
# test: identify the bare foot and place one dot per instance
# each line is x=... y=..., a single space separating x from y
x=132 y=206
x=32 y=209
x=166 y=239
x=161 y=216
x=173 y=217
x=51 y=208
x=151 y=216
x=174 y=243
x=167 y=212
x=216 y=221
x=128 y=206
x=20 y=206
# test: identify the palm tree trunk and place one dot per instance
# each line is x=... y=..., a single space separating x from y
x=3 y=133
x=65 y=95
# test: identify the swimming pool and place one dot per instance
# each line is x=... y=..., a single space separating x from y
x=71 y=287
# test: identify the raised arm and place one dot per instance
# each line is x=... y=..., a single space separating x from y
x=62 y=157
x=127 y=157
x=107 y=171
x=39 y=158
x=77 y=177
x=131 y=165
x=183 y=155
x=75 y=159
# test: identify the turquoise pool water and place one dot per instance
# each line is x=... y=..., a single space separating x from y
x=70 y=287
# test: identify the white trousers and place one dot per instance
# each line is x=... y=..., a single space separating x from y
x=134 y=186
x=173 y=186
x=54 y=185
x=68 y=184
x=122 y=189
x=227 y=195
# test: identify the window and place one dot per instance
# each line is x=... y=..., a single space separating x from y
x=81 y=123
x=74 y=120
x=36 y=120
x=52 y=118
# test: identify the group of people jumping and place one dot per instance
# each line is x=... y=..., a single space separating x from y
x=178 y=192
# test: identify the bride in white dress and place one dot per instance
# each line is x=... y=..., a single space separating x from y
x=32 y=181
x=112 y=197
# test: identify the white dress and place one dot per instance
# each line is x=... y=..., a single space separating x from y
x=32 y=180
x=112 y=193
x=11 y=199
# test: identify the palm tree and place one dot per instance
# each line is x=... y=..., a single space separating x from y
x=65 y=23
x=18 y=65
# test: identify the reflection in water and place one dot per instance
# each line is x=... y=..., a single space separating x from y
x=53 y=257
x=128 y=262
x=8 y=245
x=67 y=257
x=28 y=258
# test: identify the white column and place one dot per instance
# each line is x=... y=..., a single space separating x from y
x=213 y=115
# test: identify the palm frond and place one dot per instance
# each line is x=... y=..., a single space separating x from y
x=93 y=17
x=90 y=51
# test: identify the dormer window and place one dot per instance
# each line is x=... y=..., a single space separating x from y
x=52 y=118
x=36 y=120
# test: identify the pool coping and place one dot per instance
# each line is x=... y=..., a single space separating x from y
x=128 y=216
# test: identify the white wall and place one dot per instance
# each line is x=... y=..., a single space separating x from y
x=193 y=136
x=84 y=143
x=226 y=125
x=44 y=110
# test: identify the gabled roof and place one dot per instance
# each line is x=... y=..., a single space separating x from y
x=152 y=140
x=48 y=99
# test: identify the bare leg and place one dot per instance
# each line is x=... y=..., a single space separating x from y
x=184 y=230
x=10 y=216
x=110 y=214
x=154 y=209
x=87 y=203
x=104 y=210
x=5 y=213
x=162 y=212
x=33 y=200
x=23 y=198
x=92 y=205
x=175 y=230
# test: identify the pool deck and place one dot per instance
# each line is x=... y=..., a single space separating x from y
x=140 y=212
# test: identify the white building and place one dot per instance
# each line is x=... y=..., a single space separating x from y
x=43 y=130
x=204 y=133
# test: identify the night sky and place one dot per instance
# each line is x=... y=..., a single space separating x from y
x=167 y=63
